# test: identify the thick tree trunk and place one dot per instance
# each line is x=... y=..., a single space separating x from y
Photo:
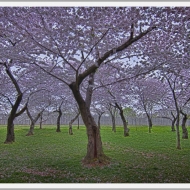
x=94 y=147
x=71 y=122
x=125 y=123
x=183 y=125
x=59 y=121
x=10 y=133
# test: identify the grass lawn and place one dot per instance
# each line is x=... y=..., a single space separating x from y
x=50 y=157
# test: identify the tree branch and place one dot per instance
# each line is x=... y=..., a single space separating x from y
x=111 y=52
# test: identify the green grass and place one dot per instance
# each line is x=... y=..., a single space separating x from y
x=50 y=157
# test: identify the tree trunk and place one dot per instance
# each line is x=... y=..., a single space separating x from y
x=78 y=123
x=173 y=121
x=149 y=123
x=10 y=133
x=10 y=125
x=31 y=130
x=112 y=113
x=33 y=121
x=71 y=122
x=59 y=121
x=94 y=147
x=113 y=123
x=177 y=133
x=173 y=124
x=183 y=125
x=99 y=118
x=125 y=123
x=41 y=121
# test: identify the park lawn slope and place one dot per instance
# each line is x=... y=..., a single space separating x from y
x=51 y=157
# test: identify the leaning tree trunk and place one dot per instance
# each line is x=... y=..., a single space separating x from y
x=10 y=122
x=94 y=147
x=59 y=121
x=33 y=121
x=71 y=122
x=183 y=125
x=125 y=123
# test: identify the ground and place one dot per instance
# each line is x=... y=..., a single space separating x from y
x=50 y=157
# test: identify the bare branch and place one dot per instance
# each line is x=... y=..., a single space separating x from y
x=49 y=73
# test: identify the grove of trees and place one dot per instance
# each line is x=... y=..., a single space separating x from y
x=95 y=60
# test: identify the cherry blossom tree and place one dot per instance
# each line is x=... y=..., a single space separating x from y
x=72 y=44
x=149 y=93
x=37 y=103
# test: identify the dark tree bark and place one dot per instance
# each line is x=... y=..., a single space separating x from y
x=59 y=120
x=125 y=123
x=71 y=122
x=183 y=125
x=78 y=123
x=99 y=118
x=178 y=143
x=149 y=123
x=33 y=122
x=13 y=114
x=94 y=147
x=173 y=121
x=59 y=111
x=41 y=121
x=177 y=132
